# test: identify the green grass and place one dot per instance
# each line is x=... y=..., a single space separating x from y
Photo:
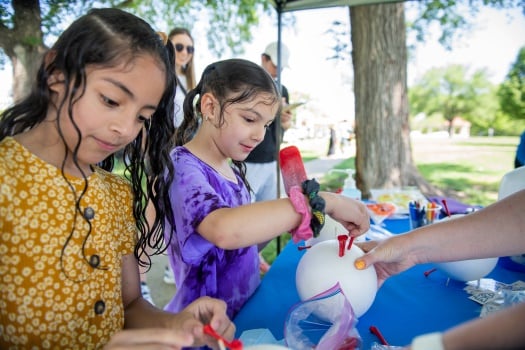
x=470 y=170
x=119 y=168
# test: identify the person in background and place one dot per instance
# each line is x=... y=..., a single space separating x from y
x=213 y=245
x=184 y=68
x=496 y=230
x=519 y=161
x=185 y=74
x=332 y=141
x=261 y=163
x=71 y=232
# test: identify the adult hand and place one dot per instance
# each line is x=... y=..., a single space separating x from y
x=286 y=117
x=389 y=257
x=148 y=339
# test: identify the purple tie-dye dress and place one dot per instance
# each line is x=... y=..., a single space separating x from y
x=201 y=268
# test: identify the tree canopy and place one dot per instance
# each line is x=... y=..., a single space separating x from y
x=512 y=91
x=451 y=92
x=27 y=27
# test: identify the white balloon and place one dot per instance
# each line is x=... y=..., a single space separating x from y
x=467 y=270
x=321 y=268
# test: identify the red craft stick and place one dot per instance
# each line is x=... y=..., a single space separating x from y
x=235 y=344
x=444 y=201
x=375 y=331
x=428 y=272
x=292 y=167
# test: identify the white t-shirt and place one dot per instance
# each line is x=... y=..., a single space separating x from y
x=179 y=100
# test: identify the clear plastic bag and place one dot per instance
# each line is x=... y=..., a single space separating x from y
x=325 y=321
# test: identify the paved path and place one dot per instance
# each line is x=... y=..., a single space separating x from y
x=319 y=166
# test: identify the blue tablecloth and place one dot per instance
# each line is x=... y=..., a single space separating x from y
x=407 y=304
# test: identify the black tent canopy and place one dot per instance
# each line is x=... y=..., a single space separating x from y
x=295 y=5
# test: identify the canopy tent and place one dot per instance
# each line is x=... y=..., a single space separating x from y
x=294 y=5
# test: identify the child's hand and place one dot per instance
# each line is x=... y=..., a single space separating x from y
x=351 y=213
x=211 y=311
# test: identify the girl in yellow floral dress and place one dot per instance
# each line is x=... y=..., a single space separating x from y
x=72 y=232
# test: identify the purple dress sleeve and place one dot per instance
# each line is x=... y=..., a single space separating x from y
x=201 y=268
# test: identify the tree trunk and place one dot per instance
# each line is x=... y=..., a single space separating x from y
x=23 y=44
x=383 y=148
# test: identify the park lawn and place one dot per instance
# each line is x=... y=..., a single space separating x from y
x=469 y=170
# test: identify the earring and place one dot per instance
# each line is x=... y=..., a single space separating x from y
x=206 y=118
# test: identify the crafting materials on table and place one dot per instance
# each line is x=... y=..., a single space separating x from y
x=421 y=215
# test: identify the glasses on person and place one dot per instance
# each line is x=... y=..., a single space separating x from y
x=189 y=49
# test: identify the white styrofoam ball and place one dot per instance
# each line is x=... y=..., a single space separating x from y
x=467 y=270
x=511 y=182
x=321 y=267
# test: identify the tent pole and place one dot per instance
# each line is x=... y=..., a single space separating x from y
x=278 y=126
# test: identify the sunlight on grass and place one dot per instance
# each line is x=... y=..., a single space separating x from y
x=471 y=168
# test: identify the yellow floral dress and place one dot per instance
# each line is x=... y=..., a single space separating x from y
x=60 y=289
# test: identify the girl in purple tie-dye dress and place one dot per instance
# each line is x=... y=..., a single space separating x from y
x=213 y=248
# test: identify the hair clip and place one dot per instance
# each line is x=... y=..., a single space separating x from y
x=163 y=37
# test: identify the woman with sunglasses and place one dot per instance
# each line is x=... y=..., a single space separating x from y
x=184 y=49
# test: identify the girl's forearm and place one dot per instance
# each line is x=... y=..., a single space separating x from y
x=232 y=228
x=476 y=235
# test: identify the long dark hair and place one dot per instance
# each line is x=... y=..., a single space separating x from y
x=106 y=38
x=230 y=81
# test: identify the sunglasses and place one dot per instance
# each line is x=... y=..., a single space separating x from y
x=179 y=47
